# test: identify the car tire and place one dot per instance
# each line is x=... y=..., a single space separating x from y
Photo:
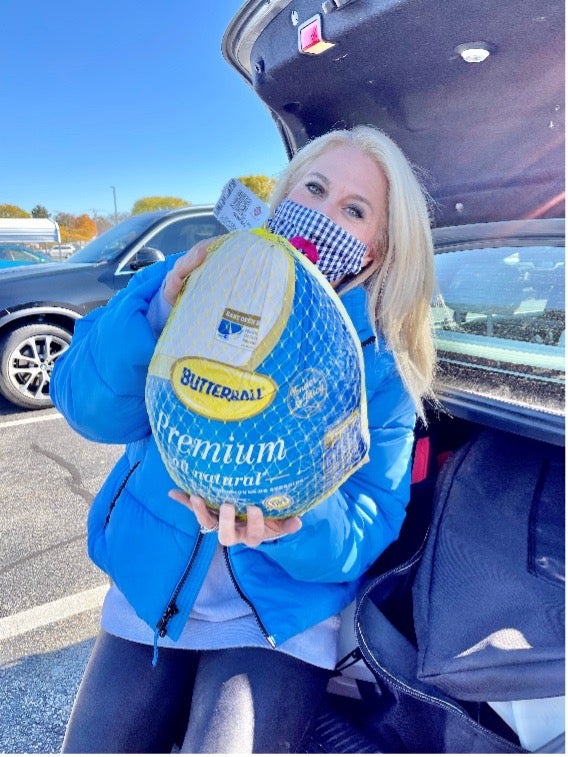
x=27 y=355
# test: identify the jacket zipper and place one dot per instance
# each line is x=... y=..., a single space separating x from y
x=270 y=639
x=172 y=608
x=118 y=493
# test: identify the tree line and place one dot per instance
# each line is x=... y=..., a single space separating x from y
x=84 y=227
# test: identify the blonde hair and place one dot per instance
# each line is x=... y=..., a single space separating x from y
x=400 y=279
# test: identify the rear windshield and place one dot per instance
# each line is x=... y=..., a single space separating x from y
x=500 y=323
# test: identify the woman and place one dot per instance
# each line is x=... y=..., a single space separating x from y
x=247 y=638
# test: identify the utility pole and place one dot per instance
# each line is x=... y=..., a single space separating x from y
x=115 y=210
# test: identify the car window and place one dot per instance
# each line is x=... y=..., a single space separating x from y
x=111 y=244
x=22 y=255
x=19 y=254
x=184 y=233
x=500 y=323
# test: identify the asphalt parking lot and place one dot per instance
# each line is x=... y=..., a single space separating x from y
x=50 y=593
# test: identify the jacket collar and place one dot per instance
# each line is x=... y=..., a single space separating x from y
x=355 y=302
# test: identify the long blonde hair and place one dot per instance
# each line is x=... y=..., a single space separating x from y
x=400 y=279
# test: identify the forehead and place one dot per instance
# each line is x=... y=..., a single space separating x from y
x=350 y=167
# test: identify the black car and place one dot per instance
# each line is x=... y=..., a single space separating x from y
x=40 y=304
x=473 y=92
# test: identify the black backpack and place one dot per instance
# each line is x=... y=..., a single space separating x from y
x=473 y=611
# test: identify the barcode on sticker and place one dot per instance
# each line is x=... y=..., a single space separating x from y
x=240 y=203
x=239 y=208
x=225 y=194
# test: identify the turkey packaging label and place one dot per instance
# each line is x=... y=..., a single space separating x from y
x=255 y=392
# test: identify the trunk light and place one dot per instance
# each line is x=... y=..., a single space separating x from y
x=475 y=52
x=310 y=39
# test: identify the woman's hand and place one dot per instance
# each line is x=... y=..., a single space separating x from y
x=251 y=532
x=182 y=268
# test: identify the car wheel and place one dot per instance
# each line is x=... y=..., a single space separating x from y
x=27 y=356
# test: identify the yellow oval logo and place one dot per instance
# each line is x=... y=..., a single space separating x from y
x=220 y=392
x=278 y=502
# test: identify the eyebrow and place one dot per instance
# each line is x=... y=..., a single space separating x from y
x=325 y=180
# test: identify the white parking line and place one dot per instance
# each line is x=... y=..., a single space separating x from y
x=51 y=612
x=24 y=421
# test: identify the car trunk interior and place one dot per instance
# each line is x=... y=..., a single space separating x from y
x=488 y=137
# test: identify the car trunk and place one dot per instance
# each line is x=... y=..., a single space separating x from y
x=488 y=136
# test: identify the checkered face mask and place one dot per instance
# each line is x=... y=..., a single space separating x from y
x=338 y=252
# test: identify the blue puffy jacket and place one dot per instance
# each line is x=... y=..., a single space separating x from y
x=151 y=546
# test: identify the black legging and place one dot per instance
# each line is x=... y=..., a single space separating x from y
x=245 y=700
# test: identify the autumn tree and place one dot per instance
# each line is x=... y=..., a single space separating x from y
x=13 y=211
x=76 y=228
x=84 y=228
x=64 y=219
x=39 y=211
x=262 y=186
x=146 y=204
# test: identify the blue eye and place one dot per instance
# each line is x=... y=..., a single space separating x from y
x=355 y=211
x=314 y=188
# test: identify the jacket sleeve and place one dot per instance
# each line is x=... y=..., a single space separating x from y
x=342 y=536
x=98 y=383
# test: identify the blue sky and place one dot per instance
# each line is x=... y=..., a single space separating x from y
x=126 y=93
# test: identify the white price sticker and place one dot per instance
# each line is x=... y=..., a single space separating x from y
x=239 y=208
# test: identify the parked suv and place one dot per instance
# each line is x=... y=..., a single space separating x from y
x=62 y=251
x=40 y=304
x=460 y=623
